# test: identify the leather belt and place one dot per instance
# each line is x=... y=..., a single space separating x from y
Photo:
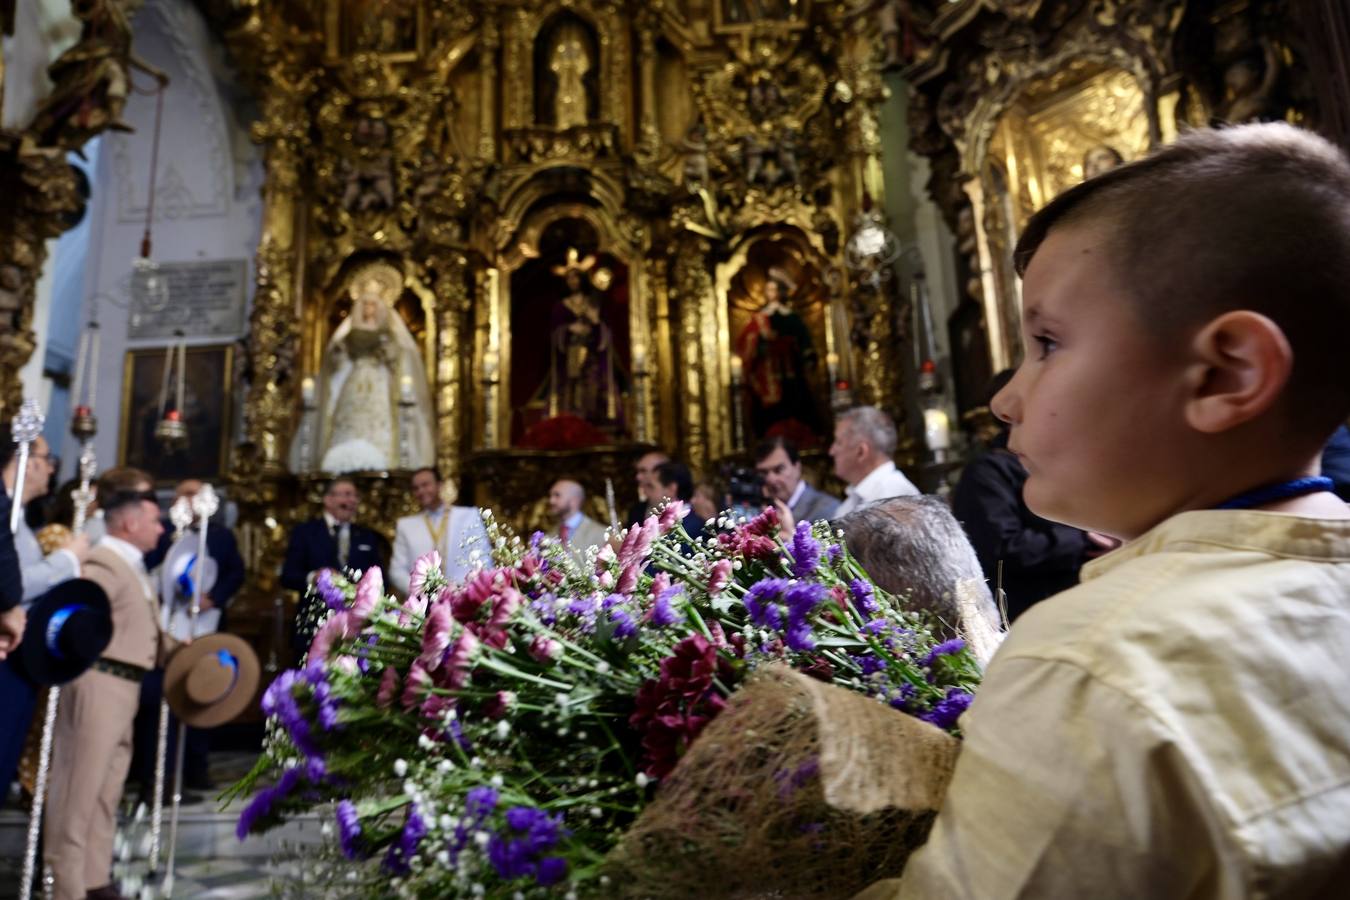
x=120 y=669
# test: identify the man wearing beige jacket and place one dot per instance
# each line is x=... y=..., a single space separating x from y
x=92 y=740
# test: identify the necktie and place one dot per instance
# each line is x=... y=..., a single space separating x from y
x=564 y=532
x=344 y=543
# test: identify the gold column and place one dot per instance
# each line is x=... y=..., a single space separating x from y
x=41 y=193
x=275 y=370
x=693 y=285
x=488 y=42
x=453 y=300
x=649 y=134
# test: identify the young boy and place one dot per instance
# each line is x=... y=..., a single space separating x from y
x=1178 y=725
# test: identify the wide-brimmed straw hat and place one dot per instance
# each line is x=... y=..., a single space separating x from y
x=211 y=680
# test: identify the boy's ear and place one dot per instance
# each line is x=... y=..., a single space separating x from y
x=1241 y=362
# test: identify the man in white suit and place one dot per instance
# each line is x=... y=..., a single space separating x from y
x=455 y=531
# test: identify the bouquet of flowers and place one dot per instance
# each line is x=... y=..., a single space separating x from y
x=502 y=736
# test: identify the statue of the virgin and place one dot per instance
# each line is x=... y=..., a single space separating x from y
x=373 y=402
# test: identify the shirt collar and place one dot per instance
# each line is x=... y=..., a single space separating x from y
x=797 y=494
x=1258 y=531
x=435 y=513
x=133 y=557
x=574 y=520
x=872 y=479
x=332 y=522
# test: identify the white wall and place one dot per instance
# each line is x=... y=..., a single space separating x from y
x=207 y=203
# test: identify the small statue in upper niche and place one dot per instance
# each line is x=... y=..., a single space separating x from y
x=695 y=146
x=1099 y=159
x=90 y=79
x=370 y=178
x=569 y=61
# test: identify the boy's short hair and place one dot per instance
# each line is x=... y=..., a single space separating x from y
x=1248 y=217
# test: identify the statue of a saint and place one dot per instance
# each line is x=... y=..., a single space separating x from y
x=582 y=379
x=374 y=402
x=569 y=61
x=776 y=350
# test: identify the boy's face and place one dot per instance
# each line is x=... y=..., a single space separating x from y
x=1095 y=407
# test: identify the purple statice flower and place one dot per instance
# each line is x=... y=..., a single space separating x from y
x=537 y=542
x=323 y=696
x=612 y=601
x=478 y=805
x=331 y=594
x=664 y=614
x=624 y=626
x=546 y=608
x=456 y=731
x=761 y=602
x=585 y=610
x=903 y=697
x=805 y=551
x=870 y=664
x=279 y=701
x=518 y=850
x=260 y=807
x=946 y=648
x=349 y=829
x=363 y=654
x=802 y=599
x=877 y=627
x=863 y=598
x=404 y=848
x=947 y=710
x=316 y=770
x=835 y=554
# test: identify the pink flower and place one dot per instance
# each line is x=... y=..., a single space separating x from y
x=435 y=706
x=417 y=684
x=436 y=635
x=427 y=564
x=660 y=583
x=389 y=685
x=347 y=665
x=499 y=705
x=628 y=578
x=671 y=515
x=504 y=607
x=468 y=600
x=545 y=649
x=369 y=592
x=720 y=577
x=637 y=546
x=605 y=580
x=457 y=664
x=338 y=628
x=413 y=607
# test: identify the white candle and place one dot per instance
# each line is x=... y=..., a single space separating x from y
x=80 y=361
x=405 y=391
x=91 y=372
x=937 y=429
x=736 y=368
x=307 y=391
x=182 y=376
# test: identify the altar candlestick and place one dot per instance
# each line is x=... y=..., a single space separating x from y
x=307 y=392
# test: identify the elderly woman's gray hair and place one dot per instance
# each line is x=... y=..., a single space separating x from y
x=913 y=547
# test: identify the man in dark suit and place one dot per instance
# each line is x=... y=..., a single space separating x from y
x=676 y=483
x=332 y=541
x=779 y=465
x=649 y=492
x=224 y=550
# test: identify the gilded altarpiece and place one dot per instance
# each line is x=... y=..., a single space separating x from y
x=585 y=203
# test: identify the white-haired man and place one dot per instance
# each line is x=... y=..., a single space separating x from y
x=864 y=444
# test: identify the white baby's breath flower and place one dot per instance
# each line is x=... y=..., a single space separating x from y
x=503 y=729
x=400 y=767
x=497 y=781
x=643 y=780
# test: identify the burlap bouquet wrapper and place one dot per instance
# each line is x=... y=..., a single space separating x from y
x=798 y=789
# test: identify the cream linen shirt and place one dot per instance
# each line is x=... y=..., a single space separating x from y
x=1177 y=726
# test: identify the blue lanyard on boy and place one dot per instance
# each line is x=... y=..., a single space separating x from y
x=1281 y=491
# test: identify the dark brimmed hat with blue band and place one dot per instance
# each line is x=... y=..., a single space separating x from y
x=68 y=628
x=211 y=680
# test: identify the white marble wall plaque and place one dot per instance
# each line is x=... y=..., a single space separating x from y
x=206 y=299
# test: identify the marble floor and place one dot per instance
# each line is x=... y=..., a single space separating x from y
x=211 y=863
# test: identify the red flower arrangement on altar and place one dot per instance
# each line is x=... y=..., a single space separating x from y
x=563 y=432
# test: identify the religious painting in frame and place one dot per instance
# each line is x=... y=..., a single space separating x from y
x=207 y=407
x=394 y=30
